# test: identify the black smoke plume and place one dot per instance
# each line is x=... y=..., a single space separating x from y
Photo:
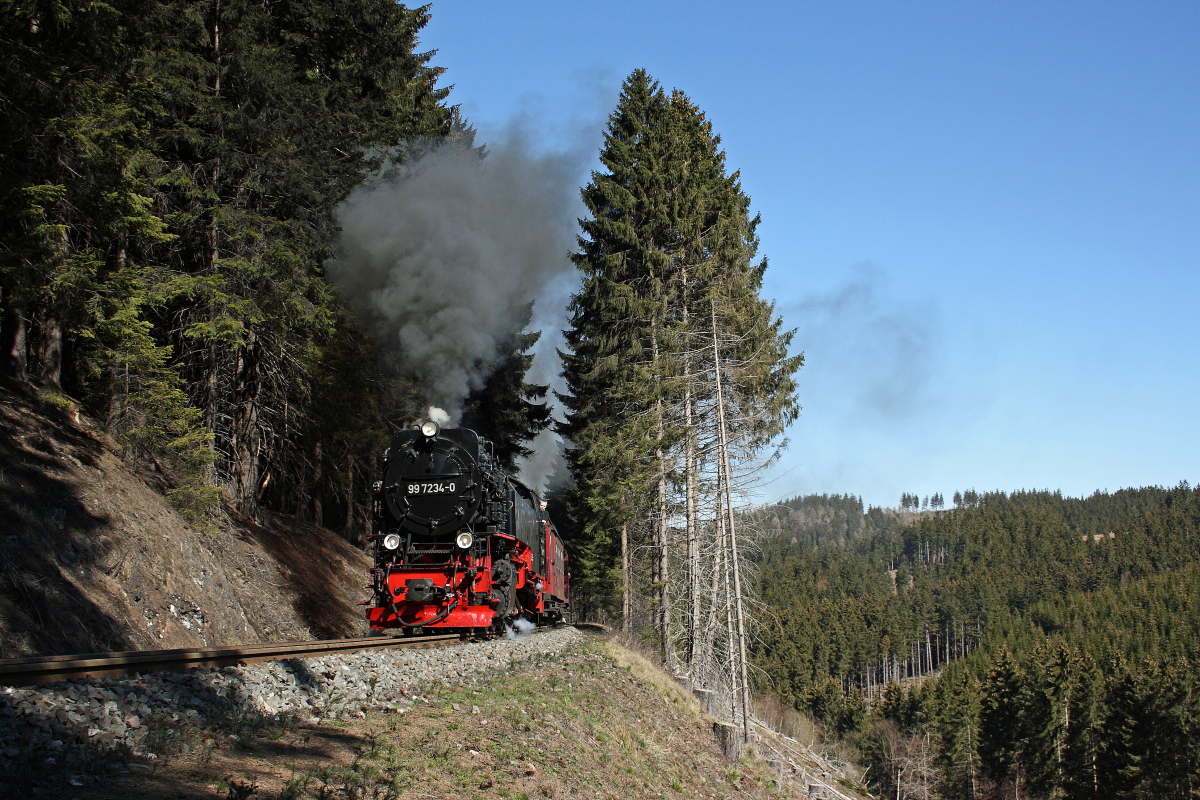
x=442 y=256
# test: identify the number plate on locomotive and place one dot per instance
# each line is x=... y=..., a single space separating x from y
x=432 y=485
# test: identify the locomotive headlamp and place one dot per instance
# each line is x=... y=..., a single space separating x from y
x=391 y=541
x=464 y=540
x=429 y=429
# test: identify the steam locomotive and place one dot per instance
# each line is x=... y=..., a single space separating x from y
x=460 y=546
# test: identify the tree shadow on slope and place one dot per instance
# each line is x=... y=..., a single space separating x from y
x=323 y=572
x=52 y=750
x=46 y=534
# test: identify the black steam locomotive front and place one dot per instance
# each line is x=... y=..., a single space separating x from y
x=459 y=544
x=432 y=484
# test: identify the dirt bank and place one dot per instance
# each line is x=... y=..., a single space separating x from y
x=94 y=559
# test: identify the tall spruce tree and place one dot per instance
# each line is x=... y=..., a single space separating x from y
x=607 y=342
x=276 y=112
x=667 y=256
x=733 y=377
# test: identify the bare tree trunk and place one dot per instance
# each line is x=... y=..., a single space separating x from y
x=216 y=362
x=318 y=476
x=727 y=594
x=664 y=564
x=216 y=45
x=662 y=567
x=691 y=511
x=351 y=532
x=723 y=445
x=693 y=542
x=626 y=598
x=50 y=344
x=705 y=659
x=16 y=335
x=211 y=409
x=245 y=441
x=50 y=350
x=215 y=36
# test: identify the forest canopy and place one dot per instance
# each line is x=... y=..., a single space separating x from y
x=170 y=172
x=1022 y=641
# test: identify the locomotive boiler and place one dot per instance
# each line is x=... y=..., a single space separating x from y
x=460 y=546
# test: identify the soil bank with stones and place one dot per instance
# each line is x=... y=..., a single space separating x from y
x=93 y=558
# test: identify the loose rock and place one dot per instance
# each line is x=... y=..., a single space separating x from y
x=120 y=712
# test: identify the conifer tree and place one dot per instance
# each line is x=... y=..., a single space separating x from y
x=79 y=174
x=73 y=177
x=508 y=410
x=168 y=172
x=608 y=340
x=276 y=112
x=678 y=373
x=960 y=725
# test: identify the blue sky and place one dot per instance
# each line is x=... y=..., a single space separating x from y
x=982 y=218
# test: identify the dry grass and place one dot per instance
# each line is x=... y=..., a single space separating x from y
x=787 y=721
x=599 y=723
x=646 y=670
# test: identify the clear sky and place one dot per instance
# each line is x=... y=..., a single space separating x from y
x=982 y=218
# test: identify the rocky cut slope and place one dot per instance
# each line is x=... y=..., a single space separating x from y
x=92 y=558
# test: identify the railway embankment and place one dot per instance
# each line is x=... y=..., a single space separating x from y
x=128 y=719
x=93 y=558
x=561 y=714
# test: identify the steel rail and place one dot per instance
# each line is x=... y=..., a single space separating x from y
x=43 y=669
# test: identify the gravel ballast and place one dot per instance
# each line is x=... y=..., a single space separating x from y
x=110 y=713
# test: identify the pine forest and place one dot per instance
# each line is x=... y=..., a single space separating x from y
x=176 y=182
x=1016 y=645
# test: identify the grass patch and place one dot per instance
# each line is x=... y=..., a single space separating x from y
x=599 y=722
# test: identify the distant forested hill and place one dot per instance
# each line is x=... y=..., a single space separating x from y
x=824 y=519
x=1059 y=636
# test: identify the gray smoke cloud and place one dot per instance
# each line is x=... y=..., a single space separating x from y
x=546 y=462
x=442 y=257
x=870 y=352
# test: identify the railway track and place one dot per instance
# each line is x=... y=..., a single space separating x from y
x=44 y=669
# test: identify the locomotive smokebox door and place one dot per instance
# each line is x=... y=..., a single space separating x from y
x=429 y=485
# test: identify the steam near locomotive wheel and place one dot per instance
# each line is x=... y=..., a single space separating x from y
x=460 y=545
